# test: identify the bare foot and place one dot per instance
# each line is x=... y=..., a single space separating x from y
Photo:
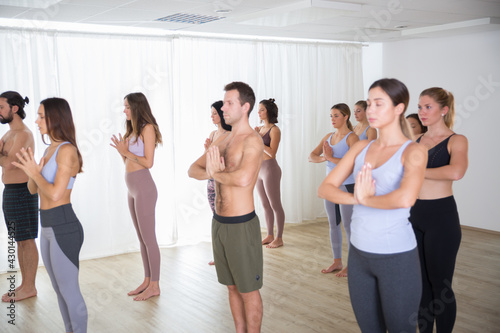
x=15 y=290
x=268 y=239
x=275 y=243
x=211 y=262
x=336 y=266
x=148 y=293
x=19 y=295
x=342 y=273
x=139 y=289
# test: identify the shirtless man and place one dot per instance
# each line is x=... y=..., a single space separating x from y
x=20 y=208
x=233 y=162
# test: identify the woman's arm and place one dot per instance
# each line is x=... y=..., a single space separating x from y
x=67 y=162
x=275 y=135
x=120 y=145
x=330 y=187
x=32 y=187
x=148 y=137
x=414 y=161
x=316 y=154
x=459 y=161
x=209 y=140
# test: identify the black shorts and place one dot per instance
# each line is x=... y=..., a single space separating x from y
x=20 y=210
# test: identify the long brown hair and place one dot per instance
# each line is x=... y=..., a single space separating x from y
x=140 y=115
x=344 y=109
x=60 y=126
x=443 y=98
x=398 y=94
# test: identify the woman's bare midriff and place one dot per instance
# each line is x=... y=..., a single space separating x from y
x=435 y=189
x=131 y=166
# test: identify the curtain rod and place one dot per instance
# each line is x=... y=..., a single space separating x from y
x=177 y=35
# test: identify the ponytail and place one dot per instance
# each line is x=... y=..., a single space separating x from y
x=349 y=125
x=449 y=117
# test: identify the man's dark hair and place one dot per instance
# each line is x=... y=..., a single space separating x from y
x=246 y=93
x=14 y=98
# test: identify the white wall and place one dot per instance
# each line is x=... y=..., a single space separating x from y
x=469 y=67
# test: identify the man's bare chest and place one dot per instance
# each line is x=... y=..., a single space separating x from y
x=232 y=154
x=7 y=143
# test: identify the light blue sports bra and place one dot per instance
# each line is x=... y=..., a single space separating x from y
x=50 y=168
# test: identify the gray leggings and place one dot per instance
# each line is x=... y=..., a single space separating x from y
x=142 y=197
x=335 y=228
x=268 y=186
x=60 y=242
x=385 y=290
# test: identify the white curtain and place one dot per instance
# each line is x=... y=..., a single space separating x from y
x=181 y=78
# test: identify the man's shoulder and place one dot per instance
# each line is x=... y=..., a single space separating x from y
x=24 y=134
x=253 y=138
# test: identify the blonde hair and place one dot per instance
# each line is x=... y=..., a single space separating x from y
x=443 y=98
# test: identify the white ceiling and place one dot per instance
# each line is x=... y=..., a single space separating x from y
x=346 y=20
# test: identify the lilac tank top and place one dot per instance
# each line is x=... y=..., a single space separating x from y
x=382 y=231
x=50 y=168
x=136 y=147
x=363 y=136
x=339 y=150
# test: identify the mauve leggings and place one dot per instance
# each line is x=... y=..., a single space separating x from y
x=268 y=186
x=142 y=197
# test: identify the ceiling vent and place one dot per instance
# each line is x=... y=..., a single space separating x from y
x=189 y=18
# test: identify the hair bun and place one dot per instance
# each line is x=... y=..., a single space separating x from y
x=26 y=100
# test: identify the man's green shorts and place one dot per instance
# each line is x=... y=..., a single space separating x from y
x=237 y=246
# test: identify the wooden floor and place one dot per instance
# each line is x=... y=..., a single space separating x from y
x=297 y=297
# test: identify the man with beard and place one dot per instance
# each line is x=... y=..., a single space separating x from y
x=20 y=208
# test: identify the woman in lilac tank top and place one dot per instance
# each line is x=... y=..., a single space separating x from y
x=269 y=181
x=137 y=149
x=362 y=128
x=384 y=269
x=331 y=149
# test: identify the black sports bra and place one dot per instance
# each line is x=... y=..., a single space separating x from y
x=438 y=155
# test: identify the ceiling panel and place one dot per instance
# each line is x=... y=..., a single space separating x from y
x=374 y=20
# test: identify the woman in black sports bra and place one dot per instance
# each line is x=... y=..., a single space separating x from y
x=434 y=216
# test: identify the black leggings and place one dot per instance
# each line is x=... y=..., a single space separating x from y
x=437 y=229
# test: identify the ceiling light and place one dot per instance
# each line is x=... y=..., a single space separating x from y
x=336 y=5
x=29 y=3
x=223 y=11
